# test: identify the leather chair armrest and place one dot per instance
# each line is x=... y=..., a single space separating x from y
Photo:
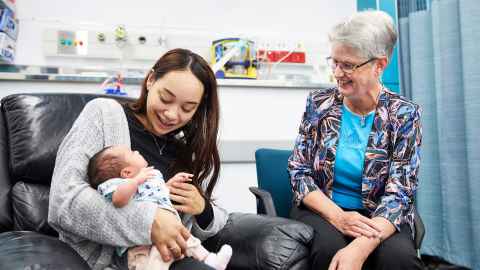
x=30 y=250
x=263 y=242
x=264 y=200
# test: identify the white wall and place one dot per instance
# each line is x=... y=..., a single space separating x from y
x=194 y=27
x=247 y=113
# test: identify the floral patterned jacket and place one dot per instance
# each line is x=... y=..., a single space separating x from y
x=390 y=171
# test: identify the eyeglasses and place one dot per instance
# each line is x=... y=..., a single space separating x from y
x=346 y=67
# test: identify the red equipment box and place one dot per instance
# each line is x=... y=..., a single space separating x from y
x=275 y=56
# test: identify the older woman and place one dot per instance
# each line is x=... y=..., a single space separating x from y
x=355 y=163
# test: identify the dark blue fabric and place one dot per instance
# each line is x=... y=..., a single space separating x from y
x=273 y=177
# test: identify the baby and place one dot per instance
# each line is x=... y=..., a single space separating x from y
x=120 y=174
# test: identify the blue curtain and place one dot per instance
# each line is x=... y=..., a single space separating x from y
x=440 y=70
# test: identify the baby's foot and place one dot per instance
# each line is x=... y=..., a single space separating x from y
x=220 y=260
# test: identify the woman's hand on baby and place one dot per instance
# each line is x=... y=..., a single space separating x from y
x=186 y=195
x=354 y=224
x=169 y=235
x=144 y=174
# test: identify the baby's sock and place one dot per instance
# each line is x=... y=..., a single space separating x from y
x=220 y=260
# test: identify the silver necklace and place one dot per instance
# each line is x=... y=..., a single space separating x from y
x=363 y=121
x=363 y=117
x=160 y=149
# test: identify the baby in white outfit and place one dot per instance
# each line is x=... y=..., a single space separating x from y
x=120 y=174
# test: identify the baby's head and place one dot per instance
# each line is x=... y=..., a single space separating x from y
x=114 y=162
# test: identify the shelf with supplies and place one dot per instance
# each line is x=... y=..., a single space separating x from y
x=8 y=4
x=8 y=31
x=130 y=77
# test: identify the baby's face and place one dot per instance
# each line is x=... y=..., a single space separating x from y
x=132 y=158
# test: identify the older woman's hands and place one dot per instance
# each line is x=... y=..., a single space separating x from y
x=186 y=195
x=347 y=258
x=354 y=224
x=169 y=235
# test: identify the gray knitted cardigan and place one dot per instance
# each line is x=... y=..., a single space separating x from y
x=84 y=220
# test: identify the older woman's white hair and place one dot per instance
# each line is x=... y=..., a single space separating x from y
x=372 y=33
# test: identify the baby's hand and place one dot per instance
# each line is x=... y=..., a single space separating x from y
x=144 y=174
x=179 y=177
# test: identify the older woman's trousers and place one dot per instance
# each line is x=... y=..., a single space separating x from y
x=396 y=252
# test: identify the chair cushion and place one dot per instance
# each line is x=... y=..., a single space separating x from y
x=36 y=125
x=6 y=221
x=262 y=242
x=30 y=208
x=272 y=176
x=29 y=250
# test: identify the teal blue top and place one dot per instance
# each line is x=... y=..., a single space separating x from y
x=349 y=159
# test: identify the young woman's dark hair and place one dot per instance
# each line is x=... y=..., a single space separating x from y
x=197 y=153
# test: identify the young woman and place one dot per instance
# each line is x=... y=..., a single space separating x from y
x=174 y=125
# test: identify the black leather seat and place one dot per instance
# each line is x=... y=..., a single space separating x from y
x=31 y=129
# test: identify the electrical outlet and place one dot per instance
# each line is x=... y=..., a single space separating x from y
x=146 y=46
x=80 y=43
x=103 y=44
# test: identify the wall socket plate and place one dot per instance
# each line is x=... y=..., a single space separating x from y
x=103 y=44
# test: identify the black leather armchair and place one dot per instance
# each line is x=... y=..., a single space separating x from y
x=31 y=129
